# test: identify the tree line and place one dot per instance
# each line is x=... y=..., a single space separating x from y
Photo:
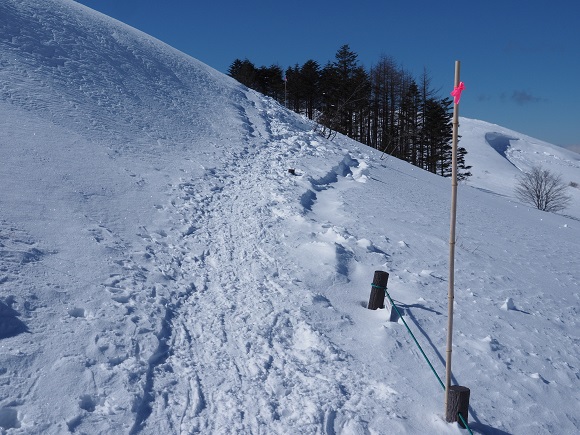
x=384 y=107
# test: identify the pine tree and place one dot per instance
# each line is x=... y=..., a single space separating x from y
x=310 y=84
x=438 y=134
x=294 y=88
x=386 y=108
x=269 y=82
x=426 y=93
x=329 y=115
x=463 y=172
x=244 y=72
x=345 y=85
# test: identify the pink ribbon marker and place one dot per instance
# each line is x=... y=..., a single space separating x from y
x=456 y=93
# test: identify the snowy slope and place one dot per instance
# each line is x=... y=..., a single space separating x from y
x=498 y=155
x=161 y=272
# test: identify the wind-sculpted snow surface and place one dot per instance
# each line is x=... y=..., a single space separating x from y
x=499 y=142
x=105 y=80
x=161 y=271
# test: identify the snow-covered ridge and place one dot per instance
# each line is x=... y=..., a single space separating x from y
x=99 y=77
x=161 y=271
x=498 y=155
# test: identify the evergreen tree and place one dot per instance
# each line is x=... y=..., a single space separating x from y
x=386 y=108
x=244 y=72
x=360 y=105
x=345 y=86
x=329 y=115
x=269 y=82
x=438 y=134
x=462 y=168
x=294 y=88
x=303 y=85
x=351 y=82
x=426 y=94
x=310 y=86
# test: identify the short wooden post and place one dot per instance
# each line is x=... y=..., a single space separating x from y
x=377 y=298
x=458 y=403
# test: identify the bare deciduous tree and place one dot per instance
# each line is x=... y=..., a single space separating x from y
x=543 y=189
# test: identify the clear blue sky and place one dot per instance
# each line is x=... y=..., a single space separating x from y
x=520 y=60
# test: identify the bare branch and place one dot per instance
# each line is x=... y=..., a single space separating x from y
x=543 y=189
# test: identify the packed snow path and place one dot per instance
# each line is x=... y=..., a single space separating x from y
x=238 y=334
x=211 y=329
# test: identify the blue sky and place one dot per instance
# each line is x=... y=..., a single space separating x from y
x=520 y=61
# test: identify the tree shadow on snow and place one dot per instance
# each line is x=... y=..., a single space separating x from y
x=10 y=324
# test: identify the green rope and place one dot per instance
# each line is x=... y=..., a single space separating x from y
x=464 y=423
x=420 y=348
x=412 y=335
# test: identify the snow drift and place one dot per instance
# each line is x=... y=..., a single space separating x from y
x=162 y=272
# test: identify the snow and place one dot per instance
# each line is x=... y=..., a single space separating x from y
x=162 y=272
x=498 y=155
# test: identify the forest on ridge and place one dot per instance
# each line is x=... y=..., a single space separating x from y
x=384 y=107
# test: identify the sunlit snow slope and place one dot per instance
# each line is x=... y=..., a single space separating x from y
x=161 y=272
x=499 y=155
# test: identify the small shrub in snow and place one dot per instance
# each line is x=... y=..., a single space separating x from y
x=543 y=189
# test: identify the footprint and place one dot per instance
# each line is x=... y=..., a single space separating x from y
x=88 y=403
x=77 y=312
x=9 y=418
x=100 y=233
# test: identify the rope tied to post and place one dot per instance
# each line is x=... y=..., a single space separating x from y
x=419 y=346
x=411 y=333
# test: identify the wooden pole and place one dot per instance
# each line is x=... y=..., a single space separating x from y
x=377 y=297
x=458 y=404
x=451 y=292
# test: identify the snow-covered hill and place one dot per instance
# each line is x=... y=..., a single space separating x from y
x=162 y=272
x=498 y=155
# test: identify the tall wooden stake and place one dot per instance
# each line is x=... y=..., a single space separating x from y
x=451 y=292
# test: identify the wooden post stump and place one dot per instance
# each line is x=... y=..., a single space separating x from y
x=377 y=298
x=458 y=403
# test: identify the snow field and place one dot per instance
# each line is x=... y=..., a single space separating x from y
x=162 y=272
